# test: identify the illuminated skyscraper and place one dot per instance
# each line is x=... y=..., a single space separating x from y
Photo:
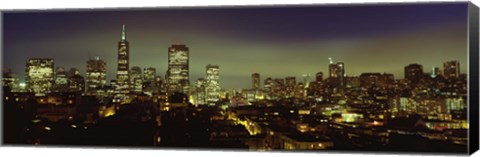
x=11 y=80
x=149 y=74
x=213 y=86
x=61 y=80
x=278 y=88
x=177 y=73
x=256 y=81
x=267 y=85
x=136 y=79
x=40 y=77
x=200 y=97
x=414 y=72
x=451 y=69
x=149 y=82
x=123 y=76
x=306 y=80
x=96 y=76
x=337 y=73
x=290 y=84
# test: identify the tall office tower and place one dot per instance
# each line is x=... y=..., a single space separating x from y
x=123 y=77
x=414 y=72
x=149 y=74
x=61 y=80
x=299 y=92
x=256 y=81
x=337 y=73
x=149 y=83
x=290 y=84
x=451 y=69
x=96 y=76
x=278 y=88
x=76 y=83
x=200 y=95
x=11 y=80
x=306 y=80
x=319 y=77
x=177 y=73
x=267 y=85
x=212 y=88
x=136 y=79
x=40 y=77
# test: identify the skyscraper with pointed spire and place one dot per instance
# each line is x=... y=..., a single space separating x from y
x=123 y=85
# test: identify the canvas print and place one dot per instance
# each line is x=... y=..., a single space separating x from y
x=366 y=77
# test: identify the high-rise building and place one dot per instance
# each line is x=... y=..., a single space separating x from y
x=256 y=81
x=337 y=73
x=178 y=72
x=40 y=76
x=61 y=80
x=160 y=85
x=149 y=82
x=200 y=96
x=213 y=84
x=149 y=73
x=96 y=76
x=451 y=69
x=300 y=92
x=306 y=80
x=11 y=80
x=136 y=79
x=267 y=85
x=414 y=72
x=436 y=72
x=123 y=77
x=290 y=84
x=278 y=88
x=76 y=83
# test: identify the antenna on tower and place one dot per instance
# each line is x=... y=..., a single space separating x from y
x=124 y=33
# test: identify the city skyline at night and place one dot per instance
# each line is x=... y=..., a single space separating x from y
x=242 y=45
x=359 y=78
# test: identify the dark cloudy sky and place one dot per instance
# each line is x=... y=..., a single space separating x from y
x=273 y=41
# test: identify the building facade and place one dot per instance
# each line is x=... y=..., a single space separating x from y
x=413 y=72
x=178 y=69
x=40 y=75
x=213 y=83
x=96 y=76
x=451 y=69
x=136 y=79
x=256 y=81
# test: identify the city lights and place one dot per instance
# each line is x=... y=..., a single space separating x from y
x=197 y=95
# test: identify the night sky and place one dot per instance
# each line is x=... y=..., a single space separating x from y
x=273 y=41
